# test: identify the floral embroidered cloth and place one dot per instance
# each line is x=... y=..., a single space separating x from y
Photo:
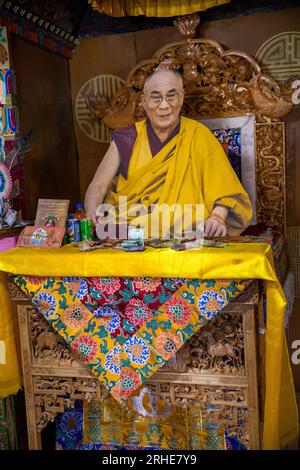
x=126 y=328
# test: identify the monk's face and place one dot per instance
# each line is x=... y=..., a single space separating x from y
x=163 y=113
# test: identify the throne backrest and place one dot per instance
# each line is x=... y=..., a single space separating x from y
x=226 y=90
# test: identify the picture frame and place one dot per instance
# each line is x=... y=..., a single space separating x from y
x=244 y=127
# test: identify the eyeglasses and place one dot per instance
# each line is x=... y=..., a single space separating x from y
x=156 y=100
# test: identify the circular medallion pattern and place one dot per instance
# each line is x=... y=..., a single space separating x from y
x=106 y=85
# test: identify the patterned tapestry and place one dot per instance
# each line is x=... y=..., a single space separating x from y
x=230 y=139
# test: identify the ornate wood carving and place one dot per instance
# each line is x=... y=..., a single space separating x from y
x=293 y=241
x=271 y=174
x=217 y=368
x=226 y=406
x=217 y=83
x=53 y=395
x=48 y=348
x=15 y=293
x=217 y=349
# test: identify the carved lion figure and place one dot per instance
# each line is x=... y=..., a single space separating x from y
x=46 y=340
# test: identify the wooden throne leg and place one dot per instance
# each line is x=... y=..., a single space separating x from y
x=34 y=437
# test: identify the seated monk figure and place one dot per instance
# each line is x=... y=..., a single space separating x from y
x=169 y=160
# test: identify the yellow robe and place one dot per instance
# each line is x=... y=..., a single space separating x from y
x=190 y=169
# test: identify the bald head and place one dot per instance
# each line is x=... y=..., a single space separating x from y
x=162 y=100
x=163 y=75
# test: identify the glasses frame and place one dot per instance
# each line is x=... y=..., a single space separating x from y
x=163 y=97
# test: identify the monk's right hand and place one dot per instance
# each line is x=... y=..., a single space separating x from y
x=214 y=228
x=98 y=216
x=94 y=216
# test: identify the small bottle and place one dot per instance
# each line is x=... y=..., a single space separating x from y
x=66 y=239
x=79 y=212
x=73 y=229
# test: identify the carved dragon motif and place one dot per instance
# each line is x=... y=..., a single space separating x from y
x=270 y=99
x=216 y=82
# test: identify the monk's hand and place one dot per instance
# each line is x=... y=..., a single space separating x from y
x=91 y=215
x=215 y=226
x=96 y=218
x=99 y=216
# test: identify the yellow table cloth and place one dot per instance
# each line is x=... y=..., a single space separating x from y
x=235 y=261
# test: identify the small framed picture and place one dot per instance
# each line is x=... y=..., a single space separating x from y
x=52 y=213
x=41 y=237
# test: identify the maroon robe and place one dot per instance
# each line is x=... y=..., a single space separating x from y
x=125 y=139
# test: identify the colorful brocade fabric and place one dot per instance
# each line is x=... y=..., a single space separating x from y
x=125 y=329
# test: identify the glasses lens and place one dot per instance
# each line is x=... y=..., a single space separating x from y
x=155 y=99
x=172 y=98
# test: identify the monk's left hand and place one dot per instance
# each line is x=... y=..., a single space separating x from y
x=214 y=228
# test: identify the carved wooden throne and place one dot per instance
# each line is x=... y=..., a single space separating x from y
x=230 y=387
x=218 y=83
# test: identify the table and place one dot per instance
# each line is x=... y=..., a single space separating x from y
x=235 y=261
